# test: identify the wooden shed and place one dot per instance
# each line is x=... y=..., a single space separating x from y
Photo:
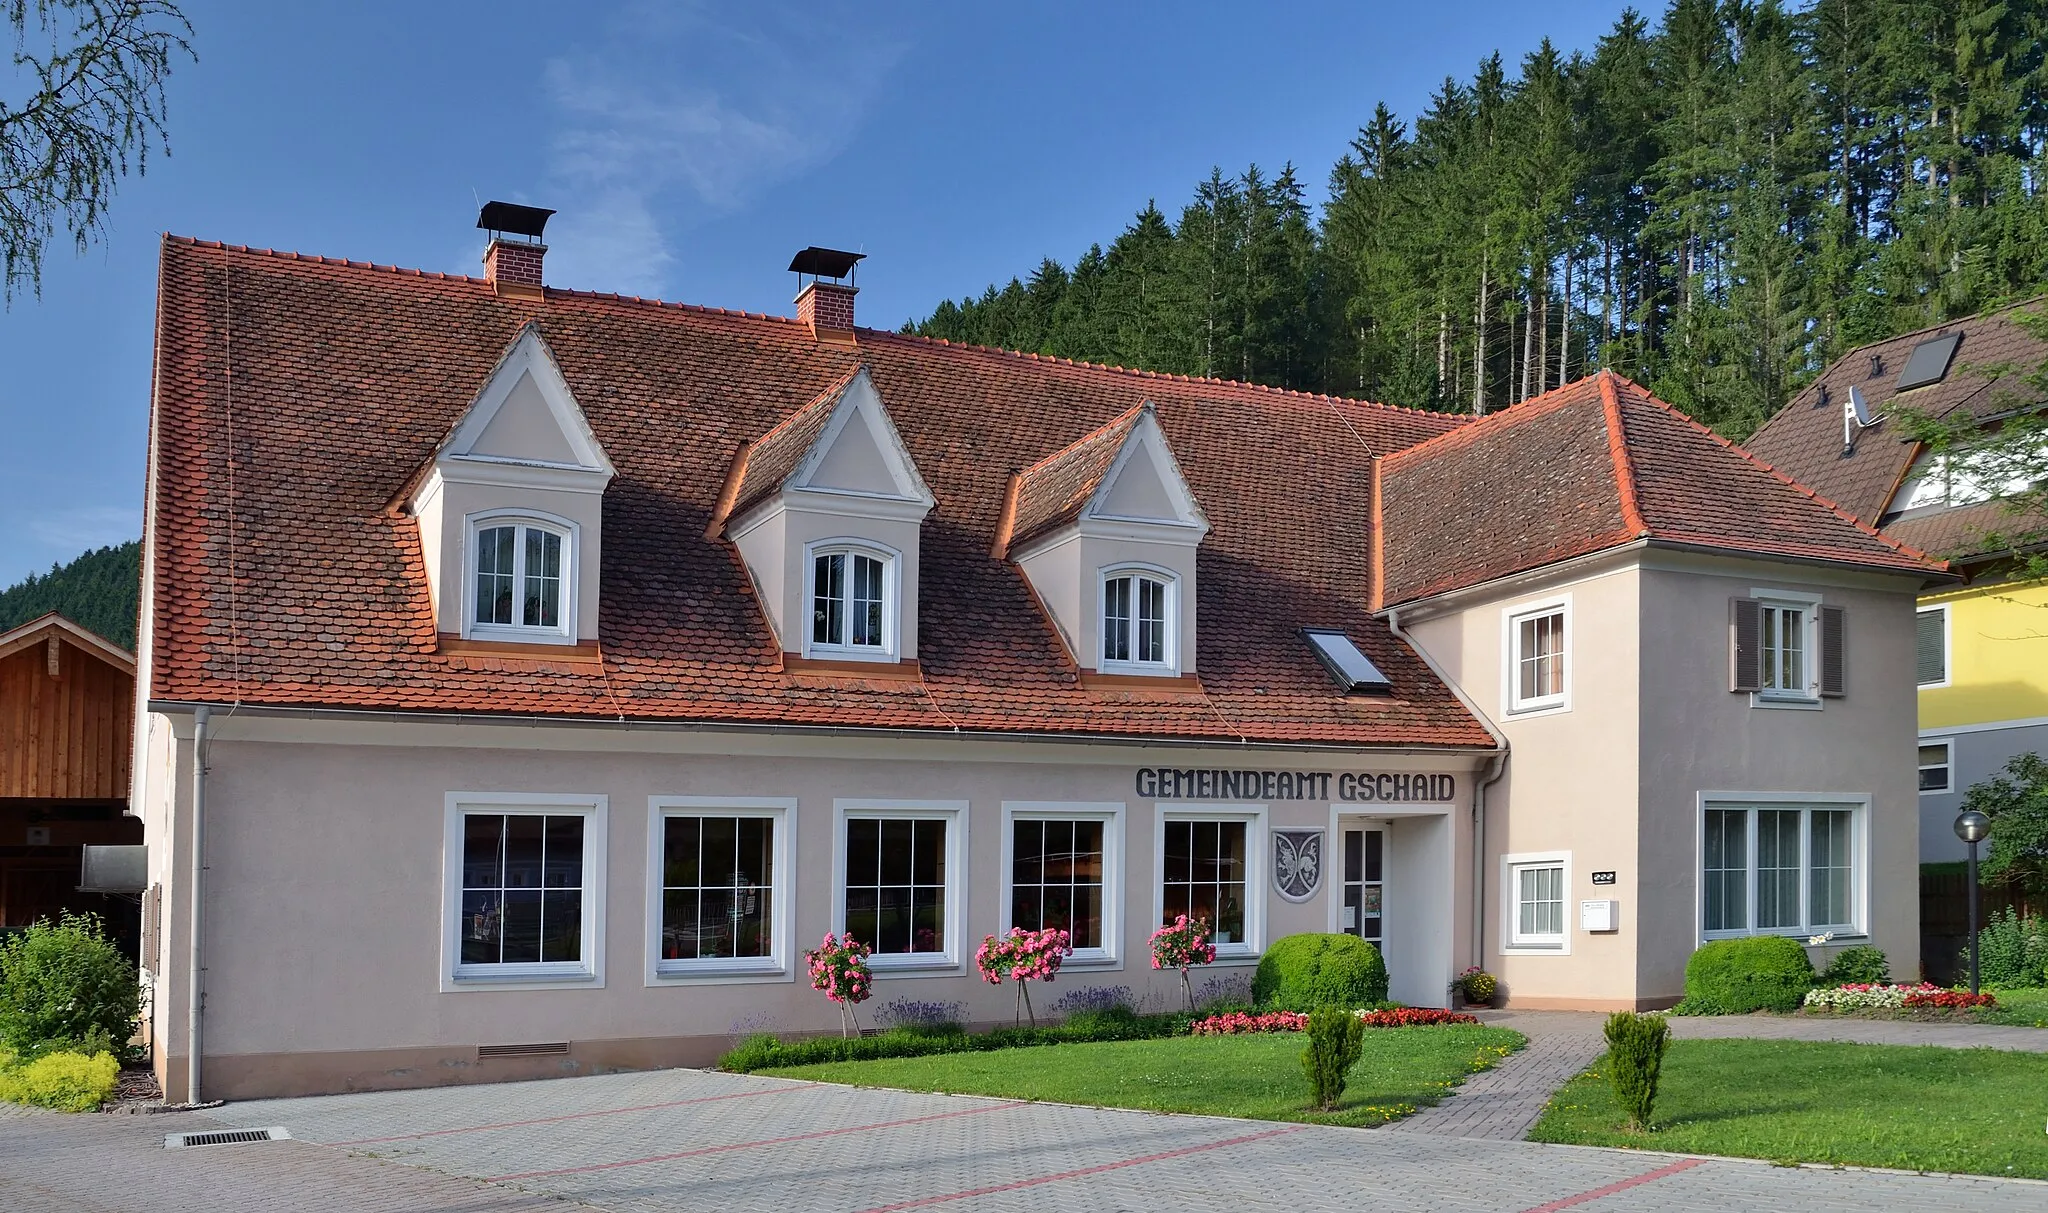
x=67 y=728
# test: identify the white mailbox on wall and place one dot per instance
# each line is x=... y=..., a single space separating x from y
x=1598 y=916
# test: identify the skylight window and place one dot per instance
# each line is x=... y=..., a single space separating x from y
x=1929 y=361
x=1352 y=669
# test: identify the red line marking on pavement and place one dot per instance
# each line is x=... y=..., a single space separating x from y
x=548 y=1120
x=1108 y=1166
x=1683 y=1164
x=748 y=1145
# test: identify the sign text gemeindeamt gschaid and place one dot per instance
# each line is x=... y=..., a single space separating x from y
x=1206 y=783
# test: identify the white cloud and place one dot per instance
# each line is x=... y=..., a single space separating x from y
x=681 y=112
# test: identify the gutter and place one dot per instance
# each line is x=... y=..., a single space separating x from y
x=196 y=876
x=1496 y=766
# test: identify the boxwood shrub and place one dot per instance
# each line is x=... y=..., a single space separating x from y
x=1737 y=976
x=766 y=1052
x=1307 y=971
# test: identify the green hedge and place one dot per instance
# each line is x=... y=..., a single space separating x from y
x=766 y=1052
x=66 y=1081
x=1737 y=976
x=1308 y=971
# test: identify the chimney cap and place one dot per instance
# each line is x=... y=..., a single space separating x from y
x=511 y=217
x=824 y=262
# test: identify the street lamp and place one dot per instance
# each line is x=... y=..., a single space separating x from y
x=1973 y=827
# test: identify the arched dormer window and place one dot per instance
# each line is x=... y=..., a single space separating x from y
x=522 y=577
x=851 y=589
x=1139 y=618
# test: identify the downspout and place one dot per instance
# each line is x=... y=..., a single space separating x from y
x=201 y=715
x=1496 y=766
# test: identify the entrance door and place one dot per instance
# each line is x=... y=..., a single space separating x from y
x=1365 y=852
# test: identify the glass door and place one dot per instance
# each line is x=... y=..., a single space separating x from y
x=1365 y=853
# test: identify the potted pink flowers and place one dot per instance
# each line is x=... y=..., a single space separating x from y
x=1022 y=956
x=839 y=967
x=1180 y=944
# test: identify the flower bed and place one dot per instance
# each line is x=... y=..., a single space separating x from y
x=1867 y=997
x=1414 y=1017
x=1949 y=1000
x=1237 y=1023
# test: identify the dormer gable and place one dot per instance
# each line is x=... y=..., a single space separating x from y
x=510 y=508
x=1106 y=532
x=825 y=509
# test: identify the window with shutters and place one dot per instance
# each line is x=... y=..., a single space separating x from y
x=1782 y=868
x=1788 y=649
x=1937 y=766
x=1930 y=646
x=1538 y=640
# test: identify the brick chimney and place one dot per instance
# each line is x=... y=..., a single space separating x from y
x=827 y=307
x=513 y=260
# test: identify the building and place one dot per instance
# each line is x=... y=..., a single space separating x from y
x=544 y=670
x=67 y=702
x=1982 y=654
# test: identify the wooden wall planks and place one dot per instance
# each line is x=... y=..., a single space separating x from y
x=68 y=736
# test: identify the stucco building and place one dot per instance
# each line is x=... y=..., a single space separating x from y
x=547 y=669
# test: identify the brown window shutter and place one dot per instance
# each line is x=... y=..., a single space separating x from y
x=1745 y=645
x=1834 y=651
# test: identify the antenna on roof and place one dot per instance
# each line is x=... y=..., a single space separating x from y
x=1856 y=417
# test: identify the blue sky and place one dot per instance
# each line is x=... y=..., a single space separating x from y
x=689 y=149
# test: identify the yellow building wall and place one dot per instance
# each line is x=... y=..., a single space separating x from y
x=1998 y=656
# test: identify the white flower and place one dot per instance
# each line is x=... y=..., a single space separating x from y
x=1814 y=941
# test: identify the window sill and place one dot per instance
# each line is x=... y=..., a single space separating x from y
x=917 y=964
x=846 y=656
x=1128 y=680
x=1536 y=949
x=1786 y=703
x=560 y=648
x=524 y=977
x=1537 y=709
x=1842 y=936
x=1091 y=959
x=853 y=667
x=673 y=972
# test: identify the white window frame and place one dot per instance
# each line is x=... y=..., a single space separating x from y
x=892 y=579
x=954 y=814
x=1857 y=805
x=1808 y=606
x=1170 y=643
x=584 y=974
x=1111 y=815
x=1948 y=653
x=572 y=545
x=782 y=900
x=1947 y=765
x=1512 y=941
x=1255 y=858
x=1511 y=619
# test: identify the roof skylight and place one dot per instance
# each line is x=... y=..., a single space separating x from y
x=1352 y=669
x=1929 y=361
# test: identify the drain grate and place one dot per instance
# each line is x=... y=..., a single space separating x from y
x=533 y=1050
x=224 y=1137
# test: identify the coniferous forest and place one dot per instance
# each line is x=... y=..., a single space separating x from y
x=99 y=591
x=1716 y=203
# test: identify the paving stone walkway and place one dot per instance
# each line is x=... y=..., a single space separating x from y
x=1504 y=1103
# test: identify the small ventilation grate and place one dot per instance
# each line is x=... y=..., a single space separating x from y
x=223 y=1137
x=537 y=1050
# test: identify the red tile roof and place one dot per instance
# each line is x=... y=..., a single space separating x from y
x=1052 y=492
x=772 y=458
x=1591 y=466
x=284 y=577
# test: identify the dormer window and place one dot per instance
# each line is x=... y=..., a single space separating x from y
x=1138 y=613
x=523 y=578
x=852 y=594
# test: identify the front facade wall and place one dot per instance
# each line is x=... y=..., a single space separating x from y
x=326 y=871
x=1993 y=704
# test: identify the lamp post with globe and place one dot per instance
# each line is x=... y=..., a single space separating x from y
x=1973 y=827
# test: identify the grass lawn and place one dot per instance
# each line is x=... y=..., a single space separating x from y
x=1256 y=1076
x=2026 y=1008
x=1918 y=1109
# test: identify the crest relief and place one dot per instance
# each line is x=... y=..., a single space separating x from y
x=1298 y=862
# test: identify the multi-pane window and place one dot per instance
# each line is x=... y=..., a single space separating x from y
x=717 y=887
x=1056 y=877
x=848 y=601
x=1134 y=620
x=522 y=888
x=1783 y=640
x=1205 y=874
x=1539 y=904
x=519 y=576
x=896 y=874
x=1537 y=658
x=1779 y=868
x=1937 y=762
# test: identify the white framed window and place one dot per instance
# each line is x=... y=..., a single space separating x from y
x=1937 y=766
x=523 y=890
x=1783 y=865
x=1209 y=863
x=521 y=577
x=1931 y=646
x=1535 y=903
x=1140 y=613
x=1536 y=639
x=1062 y=865
x=851 y=591
x=899 y=880
x=1786 y=641
x=718 y=887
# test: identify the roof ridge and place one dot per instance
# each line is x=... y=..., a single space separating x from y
x=1617 y=454
x=1902 y=548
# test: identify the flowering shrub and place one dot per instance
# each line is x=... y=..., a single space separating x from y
x=839 y=968
x=913 y=1013
x=1413 y=1017
x=1236 y=1023
x=1477 y=984
x=1094 y=1000
x=1866 y=997
x=1180 y=944
x=1023 y=956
